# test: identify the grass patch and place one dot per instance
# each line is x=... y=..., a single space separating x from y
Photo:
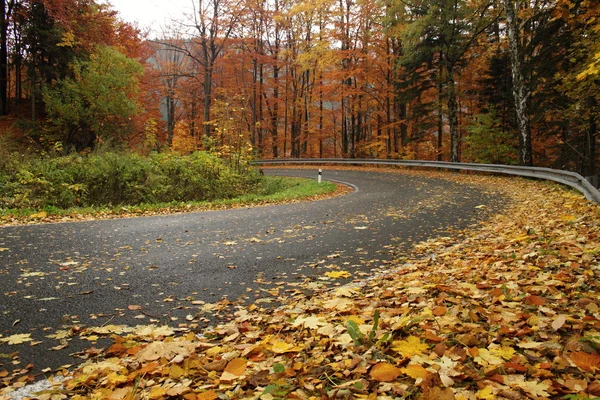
x=269 y=190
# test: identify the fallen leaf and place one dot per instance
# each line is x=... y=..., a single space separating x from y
x=559 y=322
x=385 y=372
x=338 y=274
x=415 y=371
x=157 y=350
x=409 y=347
x=586 y=361
x=17 y=339
x=235 y=368
x=209 y=395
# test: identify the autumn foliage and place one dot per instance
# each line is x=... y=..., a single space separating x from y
x=375 y=78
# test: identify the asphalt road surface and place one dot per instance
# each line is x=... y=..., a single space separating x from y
x=163 y=269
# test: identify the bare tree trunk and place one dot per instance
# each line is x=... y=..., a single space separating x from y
x=521 y=93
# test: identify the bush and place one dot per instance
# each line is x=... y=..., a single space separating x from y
x=119 y=178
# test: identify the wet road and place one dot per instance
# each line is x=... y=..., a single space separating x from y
x=165 y=269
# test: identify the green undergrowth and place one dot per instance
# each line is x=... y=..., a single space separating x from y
x=121 y=183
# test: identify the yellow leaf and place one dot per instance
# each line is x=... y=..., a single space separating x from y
x=409 y=347
x=338 y=274
x=505 y=352
x=40 y=215
x=157 y=392
x=415 y=371
x=384 y=372
x=115 y=379
x=281 y=347
x=342 y=292
x=486 y=357
x=176 y=372
x=310 y=322
x=17 y=339
x=357 y=319
x=486 y=393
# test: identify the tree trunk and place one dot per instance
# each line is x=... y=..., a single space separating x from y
x=451 y=98
x=590 y=140
x=275 y=116
x=3 y=58
x=207 y=100
x=521 y=93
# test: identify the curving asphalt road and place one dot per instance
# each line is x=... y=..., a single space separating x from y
x=162 y=269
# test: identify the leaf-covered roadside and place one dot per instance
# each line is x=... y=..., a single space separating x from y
x=506 y=310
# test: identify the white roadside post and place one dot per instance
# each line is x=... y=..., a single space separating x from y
x=320 y=177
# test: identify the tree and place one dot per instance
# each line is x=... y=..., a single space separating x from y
x=521 y=93
x=6 y=8
x=448 y=29
x=98 y=102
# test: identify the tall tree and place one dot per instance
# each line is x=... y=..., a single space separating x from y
x=521 y=92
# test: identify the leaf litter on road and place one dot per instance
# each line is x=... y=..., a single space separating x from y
x=507 y=309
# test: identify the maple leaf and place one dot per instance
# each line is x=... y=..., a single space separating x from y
x=310 y=322
x=281 y=347
x=157 y=350
x=487 y=357
x=154 y=331
x=409 y=347
x=110 y=365
x=338 y=274
x=17 y=339
x=504 y=352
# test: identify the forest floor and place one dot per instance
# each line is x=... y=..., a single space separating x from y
x=507 y=309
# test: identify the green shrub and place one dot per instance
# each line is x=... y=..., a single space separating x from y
x=119 y=178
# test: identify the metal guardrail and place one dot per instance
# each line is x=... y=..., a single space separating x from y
x=568 y=178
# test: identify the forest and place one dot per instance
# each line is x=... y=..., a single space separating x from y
x=489 y=81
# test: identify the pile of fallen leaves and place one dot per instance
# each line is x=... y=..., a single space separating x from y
x=505 y=310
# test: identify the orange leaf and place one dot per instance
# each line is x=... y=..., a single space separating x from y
x=586 y=361
x=234 y=369
x=150 y=367
x=432 y=337
x=439 y=311
x=534 y=300
x=210 y=395
x=384 y=372
x=237 y=366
